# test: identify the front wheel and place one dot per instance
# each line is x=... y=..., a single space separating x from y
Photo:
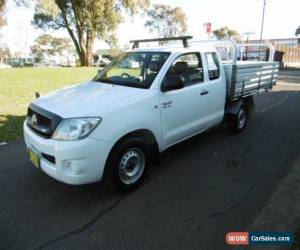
x=128 y=164
x=238 y=122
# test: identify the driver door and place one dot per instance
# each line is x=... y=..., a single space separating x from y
x=184 y=112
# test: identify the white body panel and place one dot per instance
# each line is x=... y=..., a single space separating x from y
x=84 y=99
x=87 y=157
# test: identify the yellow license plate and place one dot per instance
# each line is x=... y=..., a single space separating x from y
x=34 y=158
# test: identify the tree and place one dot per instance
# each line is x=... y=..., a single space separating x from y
x=298 y=31
x=2 y=9
x=46 y=45
x=5 y=54
x=166 y=21
x=225 y=32
x=85 y=20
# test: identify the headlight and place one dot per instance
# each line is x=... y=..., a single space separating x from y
x=75 y=128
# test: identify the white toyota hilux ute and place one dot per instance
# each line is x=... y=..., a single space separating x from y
x=143 y=102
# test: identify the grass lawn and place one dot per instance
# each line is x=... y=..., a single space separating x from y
x=17 y=91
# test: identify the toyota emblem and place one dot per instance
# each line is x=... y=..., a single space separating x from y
x=34 y=119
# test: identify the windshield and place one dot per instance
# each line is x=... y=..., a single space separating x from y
x=133 y=69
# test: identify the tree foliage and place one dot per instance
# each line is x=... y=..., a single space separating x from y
x=4 y=53
x=166 y=21
x=85 y=20
x=2 y=10
x=226 y=33
x=47 y=45
x=298 y=31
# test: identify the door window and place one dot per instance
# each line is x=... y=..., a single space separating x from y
x=189 y=66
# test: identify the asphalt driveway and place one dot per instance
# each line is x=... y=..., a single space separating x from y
x=205 y=187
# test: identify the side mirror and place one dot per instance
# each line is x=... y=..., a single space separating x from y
x=172 y=83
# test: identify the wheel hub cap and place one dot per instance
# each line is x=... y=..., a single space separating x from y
x=242 y=118
x=132 y=165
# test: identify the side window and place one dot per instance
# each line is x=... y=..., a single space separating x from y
x=213 y=66
x=189 y=66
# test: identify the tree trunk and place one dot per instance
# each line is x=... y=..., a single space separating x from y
x=90 y=38
x=79 y=45
x=81 y=56
x=84 y=47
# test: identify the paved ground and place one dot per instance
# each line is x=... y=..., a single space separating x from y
x=205 y=187
x=292 y=76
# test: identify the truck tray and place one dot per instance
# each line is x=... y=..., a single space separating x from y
x=249 y=78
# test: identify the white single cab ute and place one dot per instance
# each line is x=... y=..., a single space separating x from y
x=143 y=102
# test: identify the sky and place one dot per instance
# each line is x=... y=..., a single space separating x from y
x=281 y=20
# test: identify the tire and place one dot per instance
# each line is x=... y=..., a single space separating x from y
x=238 y=122
x=127 y=164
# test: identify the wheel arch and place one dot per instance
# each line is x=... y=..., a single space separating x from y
x=232 y=108
x=144 y=134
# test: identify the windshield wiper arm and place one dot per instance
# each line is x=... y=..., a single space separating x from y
x=104 y=80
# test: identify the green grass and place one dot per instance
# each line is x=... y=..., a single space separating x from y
x=17 y=91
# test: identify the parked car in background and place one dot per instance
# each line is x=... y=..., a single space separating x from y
x=5 y=66
x=101 y=60
x=129 y=64
x=104 y=61
x=22 y=62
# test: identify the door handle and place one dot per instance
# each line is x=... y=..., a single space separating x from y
x=167 y=103
x=204 y=92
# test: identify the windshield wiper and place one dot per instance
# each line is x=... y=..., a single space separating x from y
x=104 y=80
x=120 y=83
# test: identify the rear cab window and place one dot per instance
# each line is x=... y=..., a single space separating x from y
x=213 y=65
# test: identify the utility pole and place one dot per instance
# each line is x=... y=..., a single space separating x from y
x=262 y=25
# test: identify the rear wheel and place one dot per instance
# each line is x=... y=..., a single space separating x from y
x=238 y=121
x=128 y=164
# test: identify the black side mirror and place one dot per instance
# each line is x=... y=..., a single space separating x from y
x=172 y=83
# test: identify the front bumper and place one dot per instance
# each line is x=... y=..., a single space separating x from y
x=76 y=162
